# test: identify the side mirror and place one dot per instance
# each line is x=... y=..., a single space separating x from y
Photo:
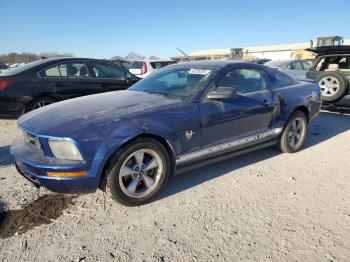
x=222 y=93
x=130 y=78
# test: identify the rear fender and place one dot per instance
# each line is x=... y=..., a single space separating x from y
x=307 y=96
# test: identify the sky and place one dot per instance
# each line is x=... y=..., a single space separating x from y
x=104 y=28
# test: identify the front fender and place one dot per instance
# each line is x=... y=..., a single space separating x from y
x=128 y=130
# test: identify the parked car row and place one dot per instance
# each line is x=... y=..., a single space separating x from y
x=43 y=82
x=47 y=81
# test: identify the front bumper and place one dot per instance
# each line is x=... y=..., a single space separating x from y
x=34 y=167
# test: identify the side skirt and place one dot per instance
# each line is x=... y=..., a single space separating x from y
x=191 y=165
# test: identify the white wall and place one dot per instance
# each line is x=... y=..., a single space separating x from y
x=279 y=55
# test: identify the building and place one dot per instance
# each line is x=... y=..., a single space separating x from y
x=273 y=52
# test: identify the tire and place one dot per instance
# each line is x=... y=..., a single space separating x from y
x=39 y=102
x=136 y=185
x=333 y=86
x=293 y=136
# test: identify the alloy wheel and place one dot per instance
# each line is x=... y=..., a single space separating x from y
x=41 y=104
x=329 y=85
x=140 y=173
x=296 y=132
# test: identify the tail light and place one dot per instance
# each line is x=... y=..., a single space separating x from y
x=144 y=68
x=4 y=84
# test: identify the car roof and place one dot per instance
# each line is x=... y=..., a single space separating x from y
x=155 y=60
x=71 y=58
x=213 y=63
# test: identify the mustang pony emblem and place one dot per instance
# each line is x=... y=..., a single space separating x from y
x=189 y=134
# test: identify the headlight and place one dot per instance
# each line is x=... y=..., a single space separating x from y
x=64 y=149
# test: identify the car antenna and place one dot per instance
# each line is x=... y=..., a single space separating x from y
x=186 y=55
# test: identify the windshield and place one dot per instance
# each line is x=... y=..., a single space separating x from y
x=22 y=68
x=177 y=82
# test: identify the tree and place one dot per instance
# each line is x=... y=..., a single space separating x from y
x=55 y=54
x=133 y=56
x=117 y=57
x=27 y=57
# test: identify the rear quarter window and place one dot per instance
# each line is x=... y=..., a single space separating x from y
x=278 y=79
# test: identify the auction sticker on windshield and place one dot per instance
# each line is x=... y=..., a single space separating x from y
x=196 y=71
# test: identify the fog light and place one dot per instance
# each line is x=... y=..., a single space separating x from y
x=67 y=174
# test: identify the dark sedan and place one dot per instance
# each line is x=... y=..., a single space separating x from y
x=47 y=81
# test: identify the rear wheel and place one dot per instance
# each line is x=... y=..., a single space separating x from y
x=139 y=172
x=40 y=102
x=333 y=86
x=294 y=133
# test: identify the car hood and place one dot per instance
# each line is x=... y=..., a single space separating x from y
x=93 y=115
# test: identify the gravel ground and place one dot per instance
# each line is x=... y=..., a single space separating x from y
x=260 y=206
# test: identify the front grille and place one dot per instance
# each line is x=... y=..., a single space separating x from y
x=33 y=141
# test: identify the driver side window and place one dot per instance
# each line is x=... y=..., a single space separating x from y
x=104 y=70
x=243 y=80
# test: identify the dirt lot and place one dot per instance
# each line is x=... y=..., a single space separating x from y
x=261 y=206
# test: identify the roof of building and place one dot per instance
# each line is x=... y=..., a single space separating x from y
x=254 y=49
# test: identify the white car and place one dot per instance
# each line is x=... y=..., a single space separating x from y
x=143 y=68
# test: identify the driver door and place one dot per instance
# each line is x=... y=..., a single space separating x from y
x=109 y=77
x=247 y=114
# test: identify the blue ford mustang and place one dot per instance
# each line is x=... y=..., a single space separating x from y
x=129 y=142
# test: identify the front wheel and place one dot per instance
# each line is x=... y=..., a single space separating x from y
x=140 y=170
x=294 y=133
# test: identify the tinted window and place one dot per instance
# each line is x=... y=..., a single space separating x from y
x=279 y=79
x=68 y=69
x=306 y=65
x=104 y=70
x=296 y=66
x=180 y=82
x=126 y=64
x=157 y=65
x=243 y=80
x=136 y=65
x=53 y=71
